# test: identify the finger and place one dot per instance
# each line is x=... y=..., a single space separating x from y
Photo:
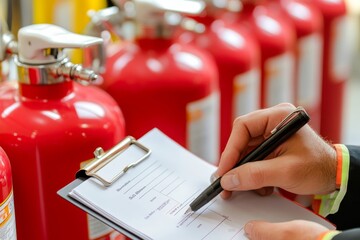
x=265 y=191
x=250 y=128
x=226 y=194
x=259 y=230
x=256 y=175
x=297 y=229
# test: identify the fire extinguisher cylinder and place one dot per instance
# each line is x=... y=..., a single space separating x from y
x=237 y=56
x=65 y=121
x=8 y=224
x=177 y=87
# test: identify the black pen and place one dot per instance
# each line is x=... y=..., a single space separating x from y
x=285 y=129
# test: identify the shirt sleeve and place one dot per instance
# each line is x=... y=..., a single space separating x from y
x=328 y=235
x=348 y=214
x=337 y=235
x=330 y=203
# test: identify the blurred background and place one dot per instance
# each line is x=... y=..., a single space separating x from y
x=73 y=15
x=352 y=114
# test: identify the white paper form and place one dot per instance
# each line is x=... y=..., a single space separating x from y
x=150 y=200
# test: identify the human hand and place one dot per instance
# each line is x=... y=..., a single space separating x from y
x=294 y=230
x=304 y=164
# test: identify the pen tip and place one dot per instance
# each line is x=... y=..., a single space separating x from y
x=189 y=210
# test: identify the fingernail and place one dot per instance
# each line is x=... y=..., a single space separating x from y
x=248 y=228
x=230 y=181
x=213 y=177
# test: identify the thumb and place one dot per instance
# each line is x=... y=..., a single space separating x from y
x=294 y=230
x=259 y=230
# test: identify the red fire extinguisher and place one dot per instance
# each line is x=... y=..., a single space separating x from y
x=159 y=82
x=48 y=127
x=336 y=66
x=307 y=21
x=276 y=38
x=7 y=210
x=237 y=56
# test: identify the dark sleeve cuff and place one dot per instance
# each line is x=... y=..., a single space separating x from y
x=351 y=234
x=348 y=215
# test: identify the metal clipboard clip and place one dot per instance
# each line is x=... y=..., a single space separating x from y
x=103 y=158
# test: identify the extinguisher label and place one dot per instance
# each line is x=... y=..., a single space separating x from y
x=203 y=119
x=309 y=71
x=341 y=48
x=278 y=78
x=7 y=219
x=99 y=230
x=246 y=92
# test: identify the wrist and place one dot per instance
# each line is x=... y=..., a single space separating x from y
x=335 y=168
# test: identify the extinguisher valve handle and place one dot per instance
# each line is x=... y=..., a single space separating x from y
x=8 y=45
x=193 y=26
x=228 y=5
x=41 y=44
x=148 y=11
x=12 y=46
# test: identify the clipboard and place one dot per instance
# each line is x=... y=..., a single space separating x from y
x=91 y=170
x=64 y=194
x=176 y=184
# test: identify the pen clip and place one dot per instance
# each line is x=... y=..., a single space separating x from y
x=287 y=119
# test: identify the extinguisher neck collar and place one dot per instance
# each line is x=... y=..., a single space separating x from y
x=46 y=92
x=250 y=4
x=156 y=31
x=58 y=72
x=154 y=44
x=205 y=19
